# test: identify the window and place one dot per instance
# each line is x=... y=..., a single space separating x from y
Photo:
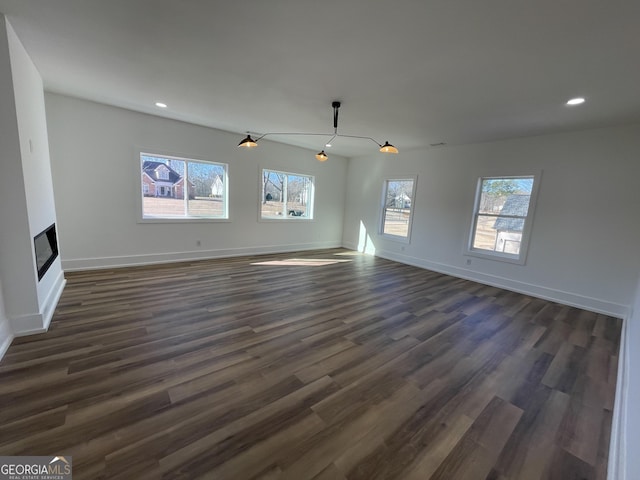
x=180 y=188
x=286 y=196
x=397 y=207
x=502 y=217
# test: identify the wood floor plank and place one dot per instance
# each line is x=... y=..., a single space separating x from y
x=336 y=365
x=336 y=445
x=481 y=445
x=439 y=449
x=579 y=432
x=531 y=447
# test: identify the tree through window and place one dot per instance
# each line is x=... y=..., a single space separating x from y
x=286 y=195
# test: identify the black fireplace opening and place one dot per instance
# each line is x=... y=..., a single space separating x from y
x=46 y=247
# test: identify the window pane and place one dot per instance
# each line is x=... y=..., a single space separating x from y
x=298 y=189
x=502 y=210
x=273 y=186
x=175 y=188
x=397 y=208
x=396 y=222
x=498 y=234
x=496 y=192
x=206 y=190
x=286 y=195
x=163 y=197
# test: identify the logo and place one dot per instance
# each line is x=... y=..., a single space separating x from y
x=36 y=468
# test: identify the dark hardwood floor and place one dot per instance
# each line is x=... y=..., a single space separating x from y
x=330 y=367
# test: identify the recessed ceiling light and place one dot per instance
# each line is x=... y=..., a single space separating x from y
x=161 y=105
x=575 y=101
x=328 y=145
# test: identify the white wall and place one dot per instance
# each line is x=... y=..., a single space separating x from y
x=96 y=177
x=13 y=220
x=36 y=166
x=583 y=248
x=16 y=267
x=26 y=191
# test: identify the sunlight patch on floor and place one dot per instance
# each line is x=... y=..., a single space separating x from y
x=307 y=262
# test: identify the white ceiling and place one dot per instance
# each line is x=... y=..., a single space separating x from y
x=413 y=72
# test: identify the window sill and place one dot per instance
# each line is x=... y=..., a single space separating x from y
x=396 y=238
x=500 y=257
x=183 y=220
x=286 y=220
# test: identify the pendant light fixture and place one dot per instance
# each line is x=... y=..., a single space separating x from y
x=322 y=157
x=249 y=142
x=388 y=148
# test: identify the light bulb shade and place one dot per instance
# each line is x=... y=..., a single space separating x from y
x=388 y=148
x=322 y=157
x=248 y=142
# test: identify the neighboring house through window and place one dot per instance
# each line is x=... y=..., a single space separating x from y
x=502 y=217
x=181 y=188
x=160 y=178
x=217 y=187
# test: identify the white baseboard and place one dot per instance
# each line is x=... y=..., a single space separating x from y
x=50 y=303
x=33 y=323
x=172 y=257
x=28 y=324
x=7 y=337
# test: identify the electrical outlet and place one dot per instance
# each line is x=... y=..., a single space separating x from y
x=198 y=243
x=402 y=248
x=468 y=261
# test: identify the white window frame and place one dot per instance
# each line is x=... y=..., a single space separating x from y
x=383 y=200
x=521 y=257
x=153 y=152
x=285 y=217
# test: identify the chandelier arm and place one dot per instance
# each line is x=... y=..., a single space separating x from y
x=294 y=133
x=358 y=136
